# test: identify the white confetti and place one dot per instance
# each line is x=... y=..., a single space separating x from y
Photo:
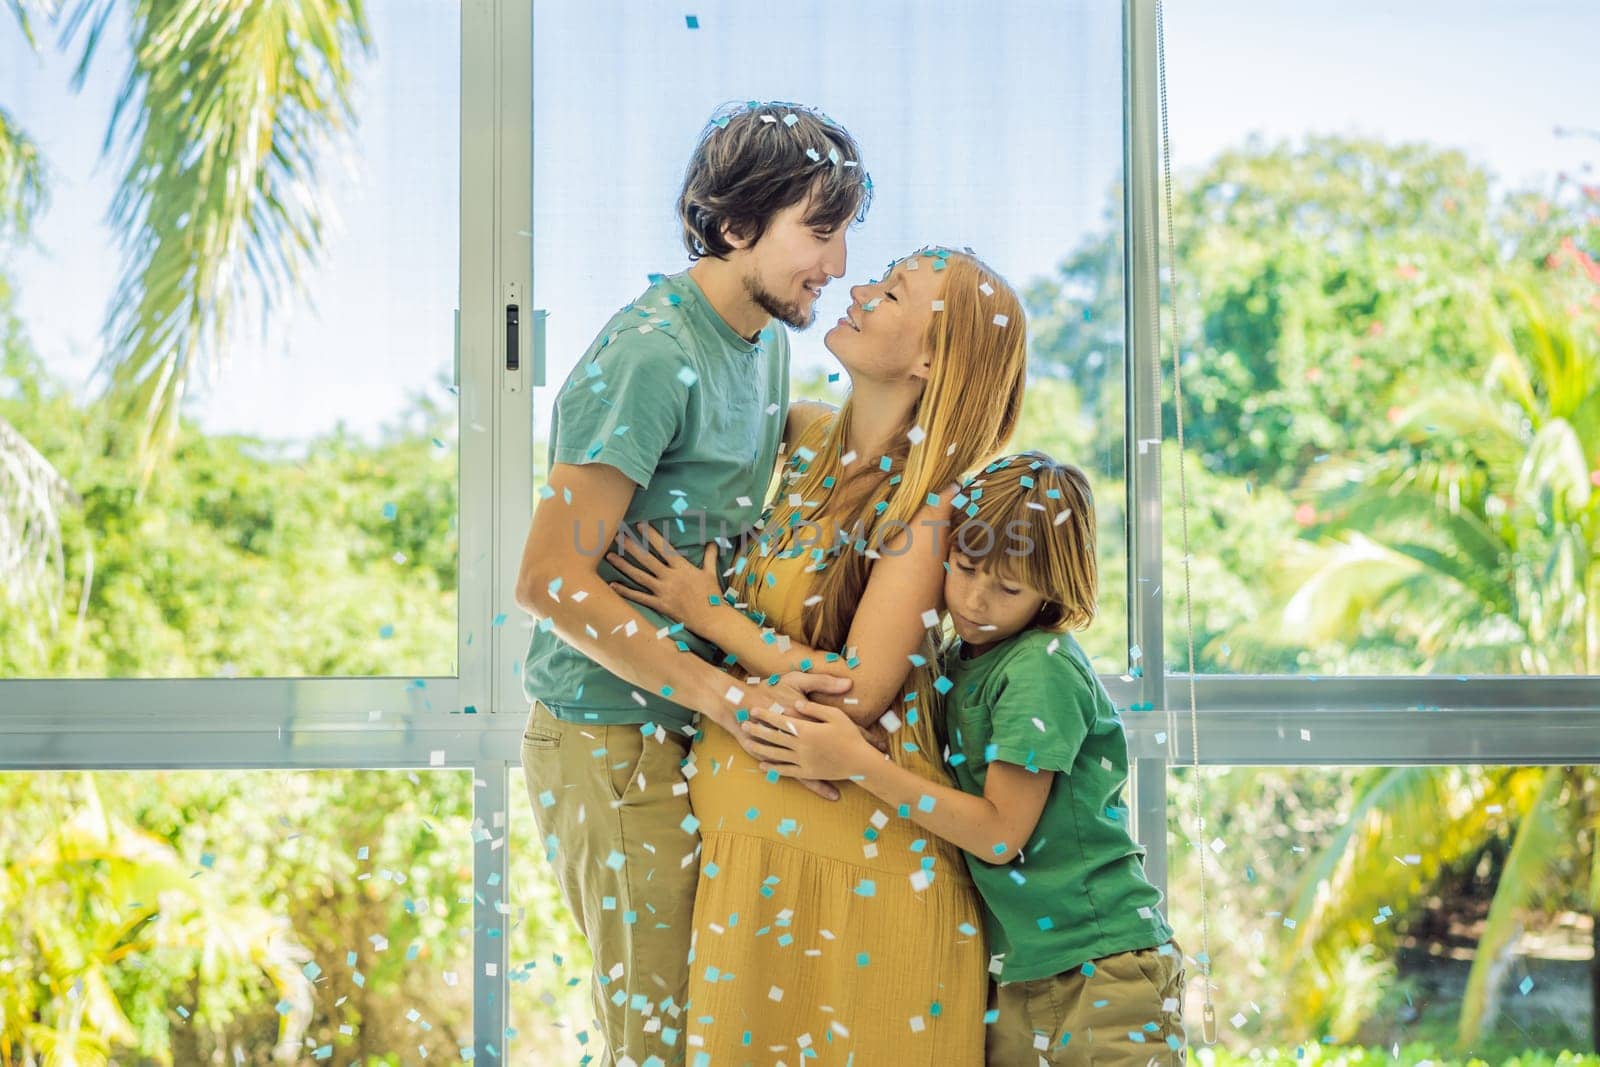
x=1001 y=320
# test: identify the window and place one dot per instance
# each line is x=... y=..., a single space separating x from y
x=296 y=513
x=1389 y=308
x=997 y=145
x=1399 y=908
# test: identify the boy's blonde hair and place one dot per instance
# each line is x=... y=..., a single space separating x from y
x=1031 y=519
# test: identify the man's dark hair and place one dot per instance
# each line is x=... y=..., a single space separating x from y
x=756 y=159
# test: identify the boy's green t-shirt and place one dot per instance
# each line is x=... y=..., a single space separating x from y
x=1077 y=890
x=693 y=414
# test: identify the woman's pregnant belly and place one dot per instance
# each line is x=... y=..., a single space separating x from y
x=729 y=793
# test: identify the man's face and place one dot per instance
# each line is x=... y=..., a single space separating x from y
x=785 y=271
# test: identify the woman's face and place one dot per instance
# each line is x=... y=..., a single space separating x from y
x=881 y=335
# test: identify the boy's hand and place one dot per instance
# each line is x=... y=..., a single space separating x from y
x=668 y=582
x=814 y=741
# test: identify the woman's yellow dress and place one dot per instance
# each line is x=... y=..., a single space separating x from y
x=825 y=932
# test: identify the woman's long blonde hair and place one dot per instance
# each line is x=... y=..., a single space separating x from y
x=966 y=414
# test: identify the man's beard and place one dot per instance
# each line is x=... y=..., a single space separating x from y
x=786 y=312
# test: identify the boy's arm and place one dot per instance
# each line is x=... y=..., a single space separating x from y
x=993 y=827
x=819 y=742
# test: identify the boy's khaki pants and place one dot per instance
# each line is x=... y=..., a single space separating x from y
x=1124 y=1013
x=613 y=827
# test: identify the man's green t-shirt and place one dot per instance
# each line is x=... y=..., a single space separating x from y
x=693 y=414
x=1077 y=890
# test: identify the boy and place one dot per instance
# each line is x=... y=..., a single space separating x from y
x=1087 y=968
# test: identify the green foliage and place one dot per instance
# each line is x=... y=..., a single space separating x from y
x=242 y=559
x=1415 y=1054
x=184 y=915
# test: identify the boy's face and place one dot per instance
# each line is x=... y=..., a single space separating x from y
x=985 y=607
x=785 y=271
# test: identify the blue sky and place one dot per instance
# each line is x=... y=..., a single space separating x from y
x=1005 y=137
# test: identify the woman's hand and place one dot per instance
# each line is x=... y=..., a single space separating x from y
x=815 y=741
x=668 y=582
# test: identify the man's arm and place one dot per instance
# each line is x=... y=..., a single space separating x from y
x=559 y=580
x=905 y=585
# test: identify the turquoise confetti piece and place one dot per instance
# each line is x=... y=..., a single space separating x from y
x=390 y=511
x=687 y=376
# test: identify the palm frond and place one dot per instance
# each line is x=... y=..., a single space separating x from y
x=22 y=178
x=1384 y=796
x=1556 y=470
x=227 y=112
x=1349 y=578
x=1541 y=842
x=31 y=494
x=22 y=8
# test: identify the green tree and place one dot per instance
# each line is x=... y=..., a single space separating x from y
x=1478 y=542
x=1318 y=283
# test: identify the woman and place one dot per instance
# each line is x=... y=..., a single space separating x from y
x=835 y=932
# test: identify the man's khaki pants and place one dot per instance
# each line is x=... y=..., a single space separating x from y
x=612 y=807
x=1126 y=1012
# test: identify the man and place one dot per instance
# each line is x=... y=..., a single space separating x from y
x=673 y=417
